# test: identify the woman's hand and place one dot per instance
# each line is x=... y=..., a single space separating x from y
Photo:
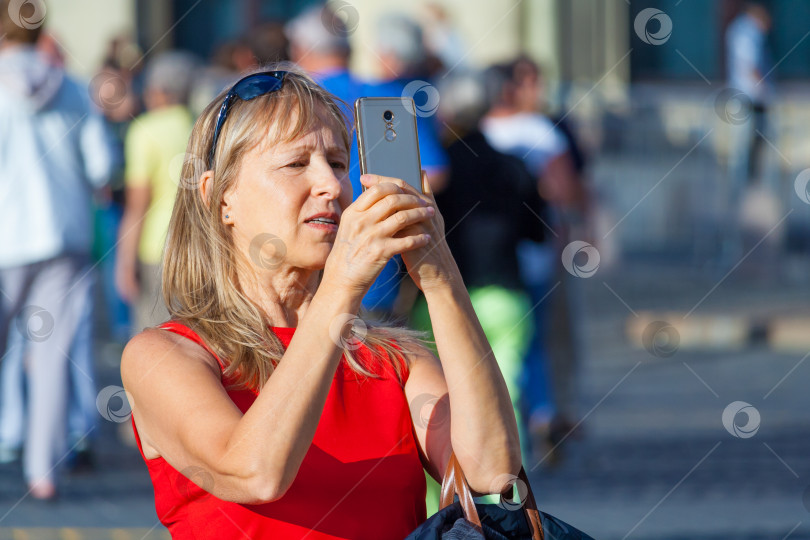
x=429 y=264
x=382 y=222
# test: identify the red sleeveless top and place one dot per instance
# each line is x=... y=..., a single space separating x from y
x=361 y=478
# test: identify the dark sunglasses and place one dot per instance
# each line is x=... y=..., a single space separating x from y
x=250 y=87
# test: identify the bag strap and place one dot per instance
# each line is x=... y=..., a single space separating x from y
x=455 y=483
x=530 y=508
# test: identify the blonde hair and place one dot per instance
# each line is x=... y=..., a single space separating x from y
x=200 y=284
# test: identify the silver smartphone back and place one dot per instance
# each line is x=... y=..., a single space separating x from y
x=387 y=140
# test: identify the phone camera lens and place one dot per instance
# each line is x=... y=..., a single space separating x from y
x=388 y=116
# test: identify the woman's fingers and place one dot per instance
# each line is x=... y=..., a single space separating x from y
x=405 y=218
x=390 y=205
x=369 y=197
x=371 y=180
x=395 y=246
x=426 y=189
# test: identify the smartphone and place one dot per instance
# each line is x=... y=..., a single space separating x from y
x=387 y=140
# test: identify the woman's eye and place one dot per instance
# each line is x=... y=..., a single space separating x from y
x=338 y=165
x=297 y=164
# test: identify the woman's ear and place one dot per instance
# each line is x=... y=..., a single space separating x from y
x=226 y=206
x=205 y=186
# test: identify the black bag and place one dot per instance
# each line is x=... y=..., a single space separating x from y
x=466 y=520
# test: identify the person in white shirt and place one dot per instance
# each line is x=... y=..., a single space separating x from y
x=745 y=105
x=515 y=125
x=53 y=153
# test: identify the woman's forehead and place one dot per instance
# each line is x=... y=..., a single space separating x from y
x=322 y=131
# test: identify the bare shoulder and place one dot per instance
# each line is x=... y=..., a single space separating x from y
x=425 y=373
x=155 y=348
x=167 y=376
x=420 y=356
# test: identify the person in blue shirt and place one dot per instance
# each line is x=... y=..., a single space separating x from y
x=403 y=61
x=744 y=106
x=319 y=43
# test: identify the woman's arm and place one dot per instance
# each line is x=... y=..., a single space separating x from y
x=184 y=414
x=483 y=429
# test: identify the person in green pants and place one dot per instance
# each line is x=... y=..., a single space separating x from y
x=490 y=204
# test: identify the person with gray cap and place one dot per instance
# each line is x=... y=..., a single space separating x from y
x=403 y=62
x=54 y=152
x=319 y=43
x=154 y=150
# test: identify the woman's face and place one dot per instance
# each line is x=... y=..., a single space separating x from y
x=280 y=190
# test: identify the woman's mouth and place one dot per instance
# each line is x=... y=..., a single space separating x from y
x=323 y=223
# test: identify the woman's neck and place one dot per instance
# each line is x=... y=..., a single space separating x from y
x=283 y=294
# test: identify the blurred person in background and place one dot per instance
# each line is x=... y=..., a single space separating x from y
x=155 y=145
x=82 y=412
x=489 y=203
x=516 y=125
x=749 y=66
x=263 y=44
x=319 y=43
x=404 y=66
x=445 y=43
x=227 y=62
x=269 y=43
x=112 y=89
x=54 y=152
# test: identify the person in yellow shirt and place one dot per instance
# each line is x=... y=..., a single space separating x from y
x=154 y=151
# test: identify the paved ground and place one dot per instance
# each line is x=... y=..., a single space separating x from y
x=655 y=461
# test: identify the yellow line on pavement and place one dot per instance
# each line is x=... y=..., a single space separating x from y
x=70 y=534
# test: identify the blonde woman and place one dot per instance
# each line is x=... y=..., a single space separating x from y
x=259 y=410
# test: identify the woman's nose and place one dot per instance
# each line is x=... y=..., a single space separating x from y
x=325 y=181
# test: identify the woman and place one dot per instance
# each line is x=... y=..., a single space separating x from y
x=259 y=411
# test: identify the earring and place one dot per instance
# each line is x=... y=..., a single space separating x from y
x=226 y=216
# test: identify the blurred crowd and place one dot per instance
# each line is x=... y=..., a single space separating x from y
x=92 y=172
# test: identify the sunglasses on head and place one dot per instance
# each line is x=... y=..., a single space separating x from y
x=247 y=88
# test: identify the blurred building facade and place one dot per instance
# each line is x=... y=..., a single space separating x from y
x=646 y=110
